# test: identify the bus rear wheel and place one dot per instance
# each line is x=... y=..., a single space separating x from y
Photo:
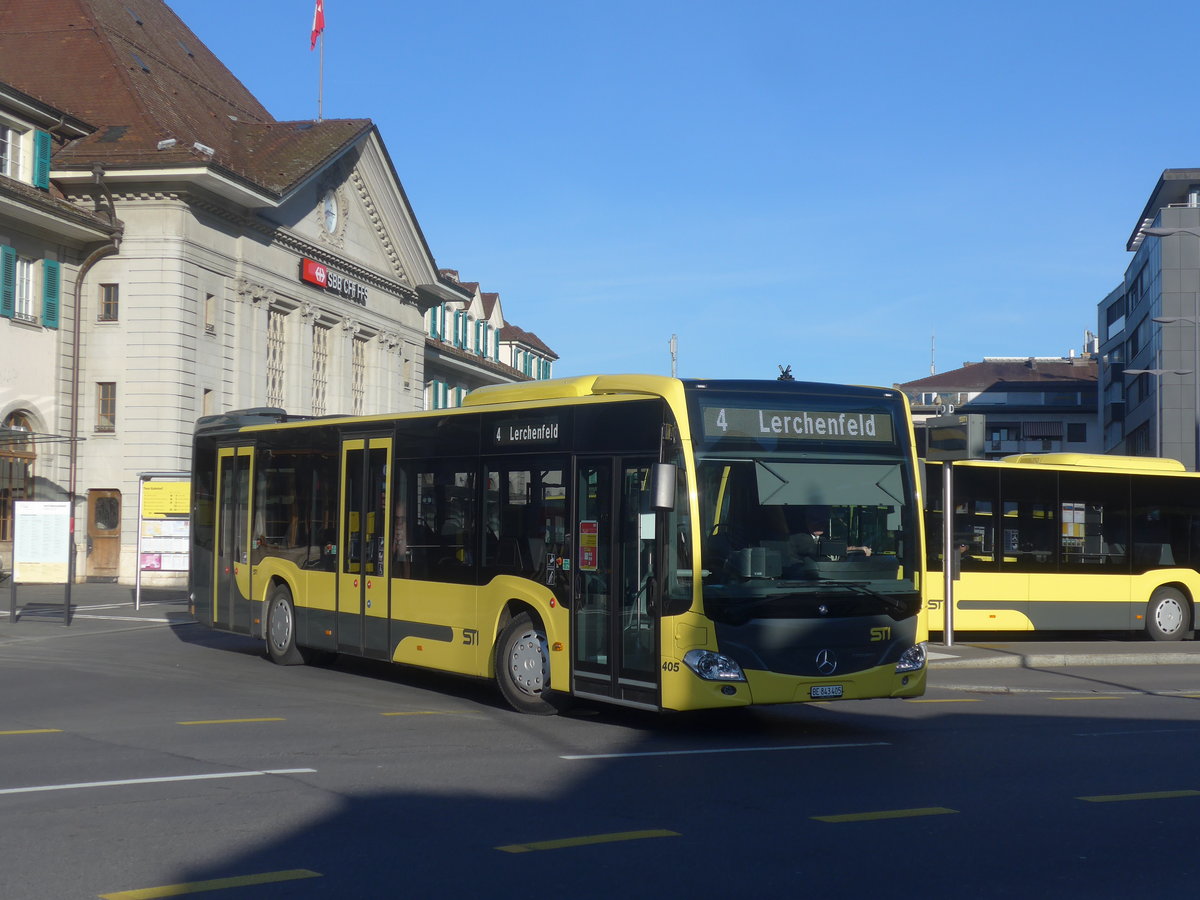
x=281 y=628
x=1167 y=615
x=523 y=667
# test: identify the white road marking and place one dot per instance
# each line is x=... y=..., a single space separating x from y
x=169 y=778
x=723 y=750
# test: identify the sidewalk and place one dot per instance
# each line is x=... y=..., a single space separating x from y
x=1055 y=651
x=40 y=609
x=108 y=607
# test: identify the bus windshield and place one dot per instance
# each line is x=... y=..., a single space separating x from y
x=799 y=522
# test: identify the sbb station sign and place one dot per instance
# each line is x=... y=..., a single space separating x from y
x=319 y=274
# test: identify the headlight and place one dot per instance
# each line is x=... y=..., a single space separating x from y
x=713 y=666
x=912 y=659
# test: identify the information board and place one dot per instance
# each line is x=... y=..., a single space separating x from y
x=163 y=525
x=41 y=541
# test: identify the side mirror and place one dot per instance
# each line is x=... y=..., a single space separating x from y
x=662 y=486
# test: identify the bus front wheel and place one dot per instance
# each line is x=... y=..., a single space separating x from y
x=523 y=666
x=1167 y=615
x=281 y=628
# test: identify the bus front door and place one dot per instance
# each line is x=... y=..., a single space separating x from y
x=615 y=604
x=231 y=596
x=363 y=600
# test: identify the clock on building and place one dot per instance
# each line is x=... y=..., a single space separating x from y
x=329 y=213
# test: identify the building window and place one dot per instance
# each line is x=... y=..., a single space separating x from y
x=1115 y=318
x=17 y=460
x=358 y=375
x=276 y=354
x=1077 y=432
x=210 y=314
x=1061 y=398
x=10 y=152
x=320 y=369
x=1004 y=433
x=106 y=406
x=23 y=296
x=1138 y=441
x=110 y=295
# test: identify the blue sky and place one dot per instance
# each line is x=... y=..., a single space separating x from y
x=834 y=187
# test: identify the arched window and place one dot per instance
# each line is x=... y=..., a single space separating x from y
x=17 y=458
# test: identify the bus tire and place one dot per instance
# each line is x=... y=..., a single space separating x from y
x=523 y=667
x=281 y=628
x=1168 y=615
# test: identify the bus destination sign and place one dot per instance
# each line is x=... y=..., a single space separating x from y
x=527 y=432
x=795 y=425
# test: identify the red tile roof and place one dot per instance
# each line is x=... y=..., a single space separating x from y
x=512 y=334
x=134 y=70
x=983 y=375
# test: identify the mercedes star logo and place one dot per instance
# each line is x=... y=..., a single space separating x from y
x=827 y=662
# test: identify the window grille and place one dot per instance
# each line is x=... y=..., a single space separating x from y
x=276 y=354
x=358 y=375
x=320 y=369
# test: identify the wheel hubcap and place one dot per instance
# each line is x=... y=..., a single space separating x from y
x=528 y=663
x=1169 y=616
x=281 y=625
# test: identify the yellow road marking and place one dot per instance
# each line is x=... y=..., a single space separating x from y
x=947 y=700
x=1150 y=795
x=215 y=884
x=888 y=814
x=591 y=839
x=1085 y=698
x=427 y=712
x=34 y=731
x=230 y=721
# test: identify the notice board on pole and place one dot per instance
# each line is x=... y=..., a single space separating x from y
x=41 y=541
x=163 y=524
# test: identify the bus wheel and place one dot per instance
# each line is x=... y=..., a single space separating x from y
x=1167 y=615
x=281 y=628
x=523 y=667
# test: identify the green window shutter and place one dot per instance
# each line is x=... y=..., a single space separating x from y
x=51 y=280
x=8 y=281
x=41 y=160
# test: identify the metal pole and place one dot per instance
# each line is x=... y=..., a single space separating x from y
x=137 y=567
x=949 y=547
x=1196 y=380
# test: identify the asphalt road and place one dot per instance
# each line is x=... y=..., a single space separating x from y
x=142 y=755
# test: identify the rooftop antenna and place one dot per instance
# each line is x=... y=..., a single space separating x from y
x=933 y=353
x=674 y=345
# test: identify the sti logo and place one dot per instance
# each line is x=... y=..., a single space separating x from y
x=314 y=273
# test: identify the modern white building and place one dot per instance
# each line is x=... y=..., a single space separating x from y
x=176 y=251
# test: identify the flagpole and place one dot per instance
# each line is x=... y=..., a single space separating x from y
x=321 y=79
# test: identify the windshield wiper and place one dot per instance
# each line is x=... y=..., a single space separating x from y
x=736 y=610
x=860 y=587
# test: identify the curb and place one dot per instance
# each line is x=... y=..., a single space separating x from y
x=1065 y=660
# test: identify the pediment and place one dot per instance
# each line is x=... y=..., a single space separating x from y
x=356 y=209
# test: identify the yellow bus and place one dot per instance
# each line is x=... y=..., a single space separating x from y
x=621 y=538
x=1069 y=542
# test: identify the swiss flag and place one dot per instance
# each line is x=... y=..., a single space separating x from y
x=318 y=23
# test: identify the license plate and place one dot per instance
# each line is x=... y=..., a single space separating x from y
x=824 y=691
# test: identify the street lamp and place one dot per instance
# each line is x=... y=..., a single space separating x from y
x=1158 y=374
x=1194 y=321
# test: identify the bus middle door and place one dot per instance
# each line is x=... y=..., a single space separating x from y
x=231 y=580
x=363 y=599
x=616 y=598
